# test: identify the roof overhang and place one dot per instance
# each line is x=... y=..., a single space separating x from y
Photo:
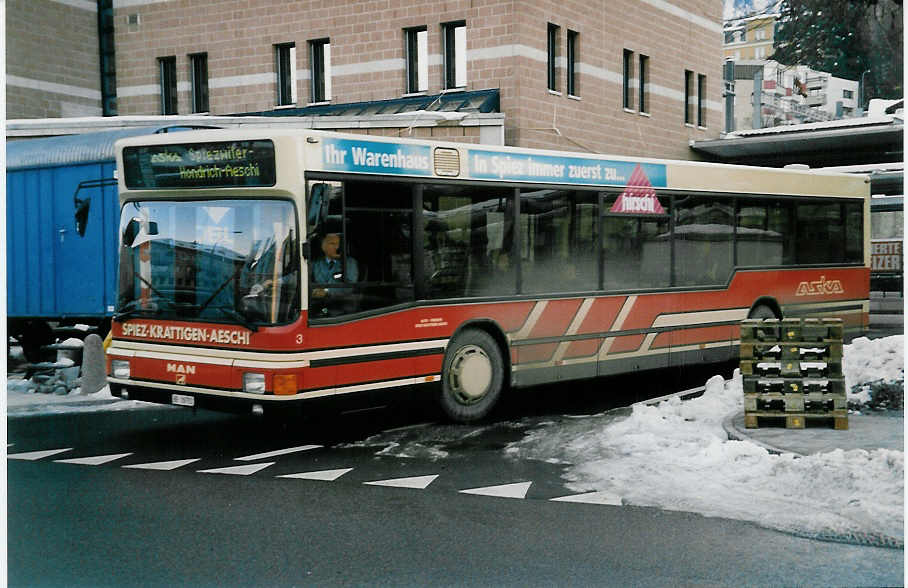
x=815 y=147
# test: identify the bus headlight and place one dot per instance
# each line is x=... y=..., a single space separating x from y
x=254 y=383
x=119 y=368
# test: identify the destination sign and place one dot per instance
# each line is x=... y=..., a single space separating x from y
x=200 y=165
x=523 y=167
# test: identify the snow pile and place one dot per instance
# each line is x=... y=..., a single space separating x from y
x=677 y=456
x=22 y=399
x=871 y=365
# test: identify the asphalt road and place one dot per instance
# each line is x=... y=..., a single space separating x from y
x=74 y=524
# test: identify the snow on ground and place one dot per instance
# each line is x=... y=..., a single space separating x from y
x=677 y=456
x=674 y=455
x=22 y=400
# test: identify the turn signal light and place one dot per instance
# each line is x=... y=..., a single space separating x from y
x=285 y=384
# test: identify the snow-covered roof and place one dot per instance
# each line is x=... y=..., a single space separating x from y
x=866 y=121
x=67 y=149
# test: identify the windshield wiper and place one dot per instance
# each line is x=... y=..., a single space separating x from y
x=235 y=275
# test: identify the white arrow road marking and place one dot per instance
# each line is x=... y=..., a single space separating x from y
x=518 y=490
x=244 y=470
x=324 y=475
x=419 y=482
x=258 y=456
x=162 y=465
x=93 y=461
x=35 y=455
x=592 y=498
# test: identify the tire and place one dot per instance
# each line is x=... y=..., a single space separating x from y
x=762 y=311
x=472 y=376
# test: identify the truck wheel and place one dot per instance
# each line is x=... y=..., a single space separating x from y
x=34 y=335
x=472 y=376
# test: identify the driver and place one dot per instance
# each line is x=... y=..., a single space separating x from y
x=329 y=270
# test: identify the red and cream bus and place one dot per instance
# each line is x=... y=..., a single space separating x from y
x=260 y=269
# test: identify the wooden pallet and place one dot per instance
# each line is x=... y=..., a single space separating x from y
x=838 y=420
x=795 y=403
x=803 y=330
x=829 y=350
x=767 y=385
x=791 y=368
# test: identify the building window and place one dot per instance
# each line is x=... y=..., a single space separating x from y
x=417 y=41
x=198 y=64
x=320 y=70
x=167 y=67
x=643 y=102
x=760 y=34
x=553 y=56
x=759 y=52
x=689 y=97
x=701 y=100
x=572 y=48
x=455 y=54
x=848 y=94
x=627 y=99
x=285 y=66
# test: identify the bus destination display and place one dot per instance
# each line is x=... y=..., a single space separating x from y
x=200 y=165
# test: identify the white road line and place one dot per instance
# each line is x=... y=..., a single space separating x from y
x=94 y=461
x=591 y=498
x=162 y=465
x=259 y=456
x=323 y=475
x=244 y=470
x=36 y=455
x=518 y=490
x=418 y=482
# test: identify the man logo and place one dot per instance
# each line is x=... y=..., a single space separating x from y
x=181 y=370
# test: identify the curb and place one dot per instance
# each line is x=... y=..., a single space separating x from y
x=736 y=434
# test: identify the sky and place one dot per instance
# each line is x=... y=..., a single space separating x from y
x=674 y=455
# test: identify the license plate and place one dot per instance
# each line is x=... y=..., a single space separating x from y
x=183 y=400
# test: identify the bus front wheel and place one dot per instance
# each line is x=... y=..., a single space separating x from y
x=472 y=376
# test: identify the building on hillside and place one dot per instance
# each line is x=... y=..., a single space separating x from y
x=789 y=95
x=751 y=36
x=626 y=77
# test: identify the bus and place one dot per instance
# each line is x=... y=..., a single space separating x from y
x=262 y=269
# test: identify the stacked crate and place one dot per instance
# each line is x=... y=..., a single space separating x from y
x=792 y=372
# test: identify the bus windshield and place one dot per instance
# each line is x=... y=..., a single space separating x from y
x=229 y=261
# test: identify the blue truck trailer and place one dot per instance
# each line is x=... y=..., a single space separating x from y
x=61 y=235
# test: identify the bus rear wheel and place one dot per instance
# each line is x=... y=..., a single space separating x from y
x=472 y=376
x=762 y=311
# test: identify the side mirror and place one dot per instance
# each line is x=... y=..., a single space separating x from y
x=132 y=230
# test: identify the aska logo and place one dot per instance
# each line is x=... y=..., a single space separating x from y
x=180 y=370
x=820 y=287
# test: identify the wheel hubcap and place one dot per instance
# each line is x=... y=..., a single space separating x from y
x=471 y=374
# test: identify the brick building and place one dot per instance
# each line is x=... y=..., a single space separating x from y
x=630 y=77
x=569 y=72
x=52 y=59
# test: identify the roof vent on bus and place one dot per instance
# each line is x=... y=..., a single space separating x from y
x=447 y=162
